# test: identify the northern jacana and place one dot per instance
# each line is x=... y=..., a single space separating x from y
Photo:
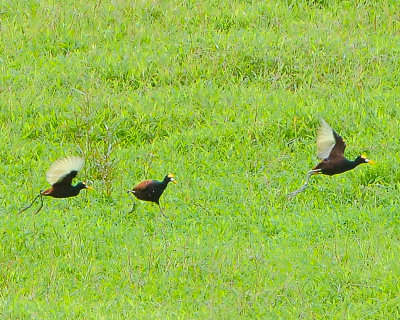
x=330 y=148
x=151 y=190
x=60 y=175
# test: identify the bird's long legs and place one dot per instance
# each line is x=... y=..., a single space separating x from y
x=41 y=204
x=162 y=211
x=133 y=201
x=309 y=174
x=134 y=205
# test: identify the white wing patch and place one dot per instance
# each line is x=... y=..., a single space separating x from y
x=325 y=140
x=60 y=168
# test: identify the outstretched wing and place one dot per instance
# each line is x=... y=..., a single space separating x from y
x=338 y=149
x=64 y=170
x=329 y=143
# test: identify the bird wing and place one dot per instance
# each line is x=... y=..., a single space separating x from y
x=338 y=149
x=329 y=143
x=64 y=170
x=144 y=185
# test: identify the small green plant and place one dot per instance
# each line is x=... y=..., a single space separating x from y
x=96 y=141
x=102 y=158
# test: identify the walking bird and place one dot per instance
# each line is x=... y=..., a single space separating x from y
x=151 y=190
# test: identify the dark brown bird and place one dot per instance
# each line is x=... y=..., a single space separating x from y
x=60 y=175
x=331 y=148
x=151 y=190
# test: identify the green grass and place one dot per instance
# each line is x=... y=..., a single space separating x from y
x=227 y=96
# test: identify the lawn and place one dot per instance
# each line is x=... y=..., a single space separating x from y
x=227 y=95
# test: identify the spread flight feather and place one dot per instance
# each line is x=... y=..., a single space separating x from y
x=60 y=168
x=325 y=140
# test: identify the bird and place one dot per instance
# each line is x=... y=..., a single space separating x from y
x=330 y=149
x=60 y=175
x=151 y=190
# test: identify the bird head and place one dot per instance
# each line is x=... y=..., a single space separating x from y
x=83 y=185
x=363 y=159
x=170 y=178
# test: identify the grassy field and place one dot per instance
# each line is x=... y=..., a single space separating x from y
x=226 y=95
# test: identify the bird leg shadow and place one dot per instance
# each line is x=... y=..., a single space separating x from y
x=309 y=174
x=133 y=201
x=41 y=204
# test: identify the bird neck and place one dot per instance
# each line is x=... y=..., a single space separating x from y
x=164 y=183
x=352 y=164
x=77 y=188
x=166 y=180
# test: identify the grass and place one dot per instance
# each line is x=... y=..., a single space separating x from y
x=227 y=96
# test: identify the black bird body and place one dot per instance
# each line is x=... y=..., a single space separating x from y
x=338 y=165
x=331 y=148
x=64 y=191
x=151 y=190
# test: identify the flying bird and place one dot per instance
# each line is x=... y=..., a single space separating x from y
x=330 y=148
x=60 y=175
x=151 y=190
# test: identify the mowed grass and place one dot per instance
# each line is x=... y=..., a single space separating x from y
x=227 y=96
